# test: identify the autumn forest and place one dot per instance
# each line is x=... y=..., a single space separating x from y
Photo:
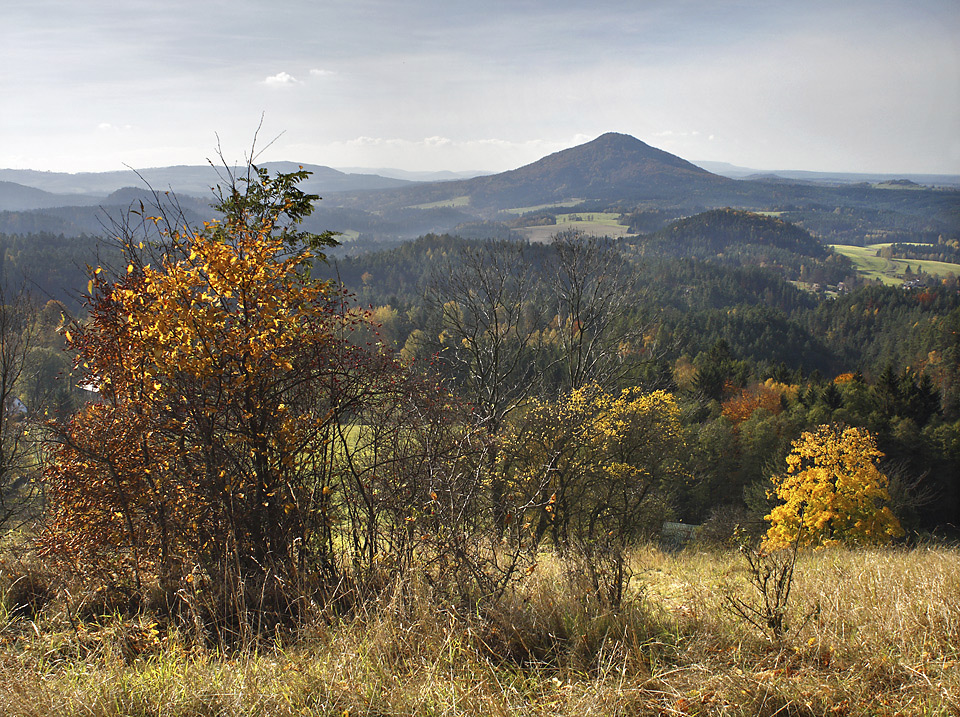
x=238 y=433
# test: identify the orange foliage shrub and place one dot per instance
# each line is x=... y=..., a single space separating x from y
x=740 y=407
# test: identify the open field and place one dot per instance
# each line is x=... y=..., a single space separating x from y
x=591 y=223
x=890 y=271
x=872 y=632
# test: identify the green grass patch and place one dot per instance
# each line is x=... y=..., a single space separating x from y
x=590 y=219
x=890 y=271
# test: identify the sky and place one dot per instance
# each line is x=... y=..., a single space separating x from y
x=822 y=85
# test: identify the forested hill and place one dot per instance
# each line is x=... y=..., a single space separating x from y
x=697 y=301
x=728 y=237
x=741 y=238
x=711 y=322
x=52 y=266
x=720 y=229
x=100 y=217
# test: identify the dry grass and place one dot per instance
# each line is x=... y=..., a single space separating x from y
x=883 y=638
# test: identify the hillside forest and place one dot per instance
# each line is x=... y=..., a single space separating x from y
x=756 y=330
x=234 y=432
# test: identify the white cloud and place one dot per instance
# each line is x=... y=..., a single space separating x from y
x=281 y=79
x=107 y=127
x=322 y=73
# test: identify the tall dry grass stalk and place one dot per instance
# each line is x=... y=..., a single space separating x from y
x=884 y=642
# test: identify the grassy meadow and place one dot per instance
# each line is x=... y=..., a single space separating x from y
x=870 y=632
x=889 y=271
x=592 y=220
x=591 y=223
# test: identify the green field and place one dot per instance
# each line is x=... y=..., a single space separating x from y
x=890 y=271
x=591 y=219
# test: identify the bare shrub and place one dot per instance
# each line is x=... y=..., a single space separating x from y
x=770 y=574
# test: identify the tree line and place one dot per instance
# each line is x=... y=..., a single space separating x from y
x=260 y=443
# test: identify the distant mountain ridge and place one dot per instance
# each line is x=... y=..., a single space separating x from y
x=733 y=171
x=613 y=166
x=182 y=179
x=18 y=197
x=613 y=173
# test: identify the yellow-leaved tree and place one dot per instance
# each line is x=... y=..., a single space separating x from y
x=832 y=491
x=594 y=469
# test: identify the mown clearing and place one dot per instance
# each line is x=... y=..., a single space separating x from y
x=890 y=271
x=590 y=223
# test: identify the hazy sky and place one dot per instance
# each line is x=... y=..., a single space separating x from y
x=842 y=85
